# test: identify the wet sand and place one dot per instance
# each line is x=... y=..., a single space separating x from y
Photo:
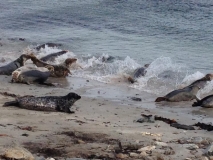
x=104 y=118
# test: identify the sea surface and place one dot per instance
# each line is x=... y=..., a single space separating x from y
x=174 y=36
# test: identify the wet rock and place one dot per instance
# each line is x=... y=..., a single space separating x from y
x=209 y=150
x=161 y=144
x=18 y=153
x=136 y=99
x=146 y=149
x=191 y=146
x=146 y=118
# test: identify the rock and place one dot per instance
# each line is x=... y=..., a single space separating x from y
x=191 y=146
x=80 y=141
x=136 y=99
x=121 y=156
x=161 y=144
x=209 y=150
x=147 y=148
x=211 y=158
x=18 y=153
x=204 y=158
x=169 y=152
x=50 y=159
x=133 y=155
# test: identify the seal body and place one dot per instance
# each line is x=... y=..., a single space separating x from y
x=28 y=74
x=59 y=70
x=185 y=94
x=203 y=81
x=139 y=72
x=52 y=56
x=206 y=102
x=47 y=103
x=12 y=66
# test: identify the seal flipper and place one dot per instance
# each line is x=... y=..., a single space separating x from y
x=159 y=99
x=11 y=103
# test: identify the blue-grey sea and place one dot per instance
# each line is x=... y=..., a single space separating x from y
x=174 y=36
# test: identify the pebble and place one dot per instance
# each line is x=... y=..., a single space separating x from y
x=133 y=155
x=161 y=144
x=121 y=156
x=191 y=146
x=18 y=153
x=147 y=148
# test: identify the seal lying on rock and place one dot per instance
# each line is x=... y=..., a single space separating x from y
x=138 y=73
x=185 y=94
x=28 y=74
x=12 y=66
x=47 y=103
x=206 y=102
x=202 y=82
x=52 y=56
x=60 y=70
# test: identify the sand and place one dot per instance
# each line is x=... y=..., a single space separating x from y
x=104 y=118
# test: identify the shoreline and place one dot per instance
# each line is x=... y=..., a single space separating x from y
x=103 y=117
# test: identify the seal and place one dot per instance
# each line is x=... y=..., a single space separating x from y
x=206 y=102
x=28 y=74
x=47 y=44
x=47 y=103
x=185 y=94
x=203 y=81
x=60 y=70
x=52 y=56
x=12 y=66
x=139 y=72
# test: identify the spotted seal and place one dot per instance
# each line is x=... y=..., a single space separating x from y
x=31 y=74
x=52 y=56
x=12 y=66
x=206 y=102
x=185 y=94
x=46 y=103
x=203 y=81
x=60 y=70
x=139 y=72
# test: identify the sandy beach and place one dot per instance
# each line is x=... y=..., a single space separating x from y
x=103 y=125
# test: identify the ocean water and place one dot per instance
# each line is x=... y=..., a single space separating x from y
x=174 y=37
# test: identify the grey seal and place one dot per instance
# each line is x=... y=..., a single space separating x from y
x=60 y=70
x=185 y=94
x=46 y=103
x=12 y=66
x=52 y=56
x=203 y=81
x=31 y=74
x=206 y=102
x=139 y=72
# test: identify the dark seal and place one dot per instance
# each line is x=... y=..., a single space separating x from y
x=28 y=74
x=60 y=70
x=185 y=94
x=139 y=72
x=52 y=56
x=47 y=103
x=206 y=102
x=12 y=66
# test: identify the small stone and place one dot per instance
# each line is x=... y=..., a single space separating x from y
x=191 y=146
x=188 y=159
x=147 y=148
x=80 y=141
x=132 y=154
x=161 y=144
x=50 y=159
x=18 y=153
x=121 y=156
x=159 y=139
